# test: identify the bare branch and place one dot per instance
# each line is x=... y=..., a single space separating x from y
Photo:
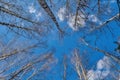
x=17 y=15
x=30 y=64
x=106 y=22
x=117 y=59
x=79 y=66
x=118 y=3
x=15 y=51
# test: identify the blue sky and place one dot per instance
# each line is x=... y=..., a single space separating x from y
x=102 y=38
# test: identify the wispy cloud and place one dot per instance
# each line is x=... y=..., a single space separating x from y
x=32 y=9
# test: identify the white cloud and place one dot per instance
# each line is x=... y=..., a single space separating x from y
x=38 y=15
x=71 y=19
x=93 y=18
x=80 y=22
x=61 y=14
x=32 y=9
x=103 y=70
x=103 y=63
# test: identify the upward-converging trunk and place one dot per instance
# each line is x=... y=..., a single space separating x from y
x=45 y=6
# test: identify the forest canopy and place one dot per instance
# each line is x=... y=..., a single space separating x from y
x=59 y=39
